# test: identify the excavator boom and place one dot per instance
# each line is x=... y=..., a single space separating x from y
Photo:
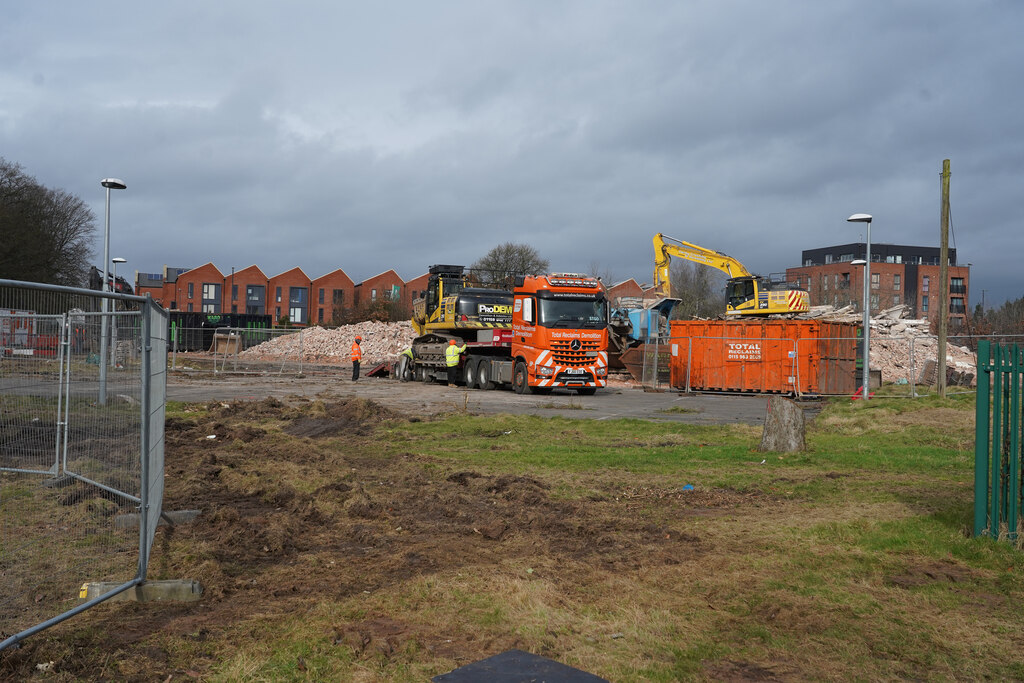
x=748 y=294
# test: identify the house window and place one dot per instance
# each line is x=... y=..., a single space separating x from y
x=875 y=280
x=387 y=295
x=320 y=296
x=956 y=286
x=297 y=305
x=190 y=308
x=895 y=299
x=808 y=262
x=211 y=298
x=277 y=295
x=373 y=295
x=234 y=292
x=824 y=282
x=896 y=281
x=874 y=301
x=956 y=305
x=924 y=285
x=828 y=259
x=191 y=291
x=254 y=302
x=846 y=257
x=924 y=303
x=320 y=313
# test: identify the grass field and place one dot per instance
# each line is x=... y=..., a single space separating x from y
x=342 y=542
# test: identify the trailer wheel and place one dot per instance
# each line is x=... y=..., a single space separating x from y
x=483 y=375
x=469 y=373
x=405 y=371
x=425 y=376
x=521 y=379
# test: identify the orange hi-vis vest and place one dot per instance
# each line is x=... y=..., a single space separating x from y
x=357 y=352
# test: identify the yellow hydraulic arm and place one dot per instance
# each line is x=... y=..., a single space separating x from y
x=746 y=293
x=691 y=252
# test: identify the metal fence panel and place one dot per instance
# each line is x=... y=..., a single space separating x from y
x=80 y=422
x=250 y=351
x=998 y=443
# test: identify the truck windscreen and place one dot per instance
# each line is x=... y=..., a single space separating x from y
x=586 y=314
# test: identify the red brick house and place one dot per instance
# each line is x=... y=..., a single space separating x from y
x=245 y=291
x=413 y=290
x=387 y=287
x=332 y=296
x=626 y=288
x=198 y=290
x=288 y=297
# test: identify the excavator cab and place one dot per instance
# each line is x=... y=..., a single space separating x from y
x=739 y=291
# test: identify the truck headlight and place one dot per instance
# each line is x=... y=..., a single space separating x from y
x=601 y=372
x=545 y=371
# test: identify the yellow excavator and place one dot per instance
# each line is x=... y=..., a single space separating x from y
x=747 y=294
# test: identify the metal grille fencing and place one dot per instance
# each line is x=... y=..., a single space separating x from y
x=998 y=442
x=244 y=351
x=81 y=447
x=906 y=365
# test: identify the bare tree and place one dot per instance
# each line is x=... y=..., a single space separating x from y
x=47 y=232
x=700 y=289
x=505 y=261
x=602 y=272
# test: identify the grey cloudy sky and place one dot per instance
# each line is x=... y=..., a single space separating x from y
x=369 y=136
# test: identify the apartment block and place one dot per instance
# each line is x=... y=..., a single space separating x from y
x=900 y=274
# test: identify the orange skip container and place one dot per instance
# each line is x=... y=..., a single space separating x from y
x=765 y=356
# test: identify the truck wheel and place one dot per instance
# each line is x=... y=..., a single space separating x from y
x=483 y=375
x=586 y=391
x=521 y=379
x=469 y=373
x=425 y=376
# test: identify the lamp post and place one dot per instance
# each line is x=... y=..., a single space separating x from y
x=866 y=218
x=113 y=322
x=110 y=184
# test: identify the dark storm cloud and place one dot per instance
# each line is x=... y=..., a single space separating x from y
x=366 y=137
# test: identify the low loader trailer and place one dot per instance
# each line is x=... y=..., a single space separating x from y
x=549 y=332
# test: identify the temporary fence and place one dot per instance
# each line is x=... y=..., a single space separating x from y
x=234 y=350
x=828 y=365
x=998 y=443
x=82 y=397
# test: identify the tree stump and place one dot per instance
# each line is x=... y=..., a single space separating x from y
x=784 y=426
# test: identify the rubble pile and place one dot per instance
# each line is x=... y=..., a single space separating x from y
x=892 y=338
x=381 y=342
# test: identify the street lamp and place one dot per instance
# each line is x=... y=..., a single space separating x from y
x=113 y=326
x=866 y=218
x=110 y=184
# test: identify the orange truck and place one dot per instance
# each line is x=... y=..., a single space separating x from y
x=550 y=331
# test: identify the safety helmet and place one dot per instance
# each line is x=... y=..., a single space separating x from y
x=358 y=338
x=451 y=342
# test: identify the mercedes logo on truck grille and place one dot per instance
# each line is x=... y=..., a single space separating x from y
x=575 y=345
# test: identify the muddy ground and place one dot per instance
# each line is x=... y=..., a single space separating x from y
x=298 y=509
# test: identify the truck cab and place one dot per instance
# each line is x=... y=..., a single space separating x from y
x=559 y=333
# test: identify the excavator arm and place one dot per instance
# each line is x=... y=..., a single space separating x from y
x=663 y=250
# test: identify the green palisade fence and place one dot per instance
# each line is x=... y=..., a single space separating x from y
x=997 y=441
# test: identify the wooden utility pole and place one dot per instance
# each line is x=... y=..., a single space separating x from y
x=943 y=281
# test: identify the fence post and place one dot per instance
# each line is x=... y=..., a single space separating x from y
x=997 y=442
x=144 y=440
x=689 y=361
x=981 y=440
x=1013 y=423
